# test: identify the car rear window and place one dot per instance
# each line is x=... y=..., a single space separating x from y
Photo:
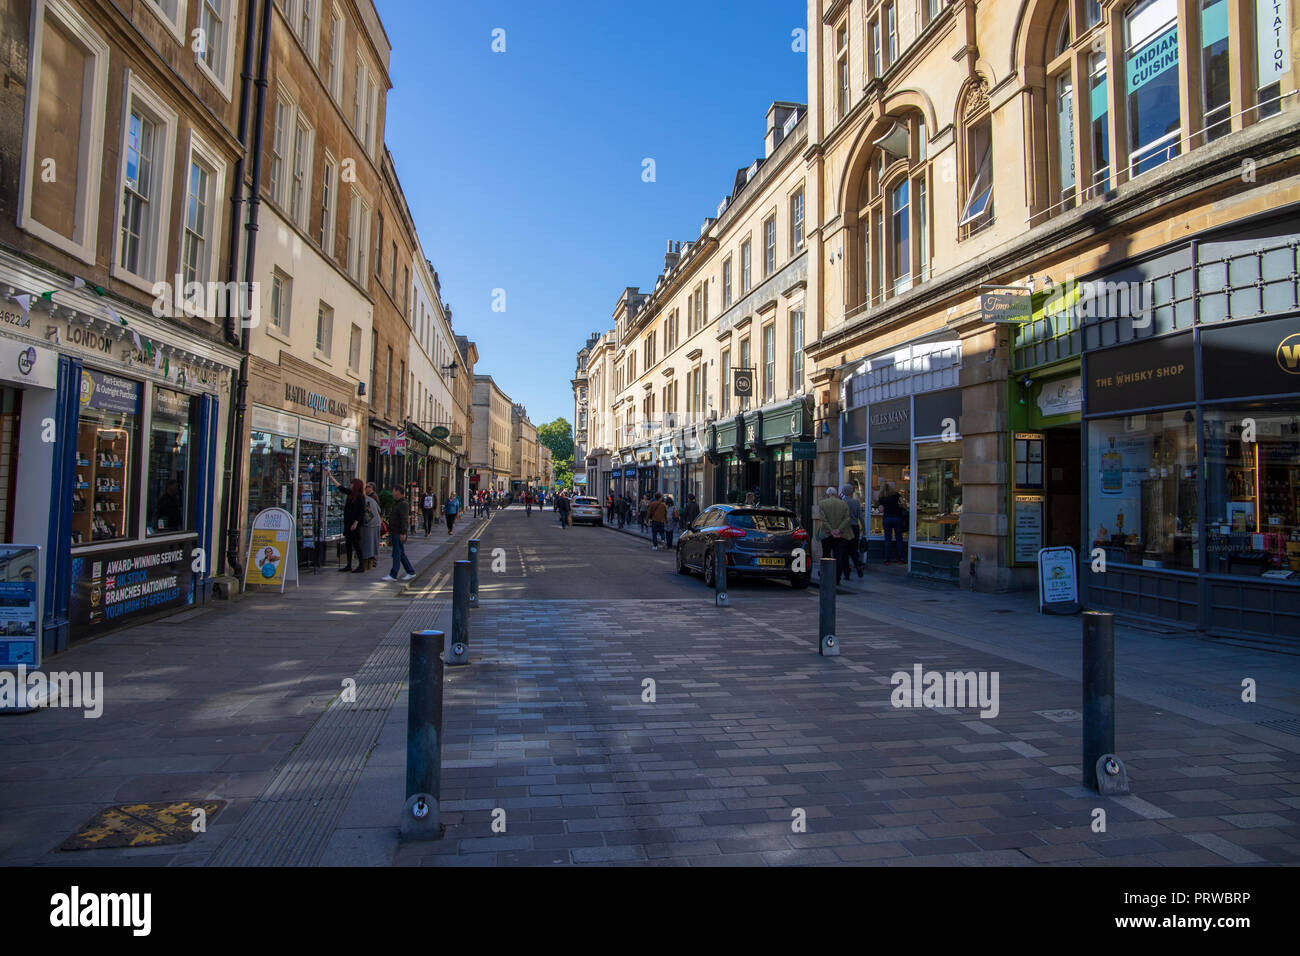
x=585 y=501
x=761 y=520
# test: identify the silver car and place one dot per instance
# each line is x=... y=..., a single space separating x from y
x=587 y=509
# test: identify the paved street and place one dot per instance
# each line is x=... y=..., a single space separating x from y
x=753 y=751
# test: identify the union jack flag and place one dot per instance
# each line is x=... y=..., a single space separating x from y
x=396 y=445
x=110 y=582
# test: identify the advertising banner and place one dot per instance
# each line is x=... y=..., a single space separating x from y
x=272 y=550
x=20 y=607
x=1058 y=581
x=111 y=587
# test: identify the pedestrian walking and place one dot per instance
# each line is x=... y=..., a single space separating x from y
x=835 y=531
x=450 y=509
x=399 y=522
x=562 y=508
x=609 y=508
x=642 y=507
x=856 y=539
x=427 y=509
x=892 y=517
x=690 y=511
x=528 y=504
x=657 y=515
x=354 y=517
x=672 y=523
x=371 y=528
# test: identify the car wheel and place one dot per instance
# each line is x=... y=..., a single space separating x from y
x=710 y=572
x=681 y=564
x=800 y=581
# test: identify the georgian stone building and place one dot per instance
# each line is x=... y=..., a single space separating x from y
x=1057 y=244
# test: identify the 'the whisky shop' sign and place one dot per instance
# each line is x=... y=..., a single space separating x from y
x=1156 y=372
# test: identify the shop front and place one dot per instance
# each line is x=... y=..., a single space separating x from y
x=1193 y=477
x=669 y=463
x=909 y=444
x=304 y=451
x=126 y=439
x=647 y=472
x=786 y=433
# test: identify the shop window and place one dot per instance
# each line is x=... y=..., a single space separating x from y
x=107 y=430
x=170 y=478
x=1144 y=497
x=1151 y=84
x=1252 y=476
x=938 y=493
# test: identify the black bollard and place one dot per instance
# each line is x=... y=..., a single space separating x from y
x=827 y=644
x=458 y=647
x=423 y=736
x=720 y=573
x=1098 y=692
x=473 y=572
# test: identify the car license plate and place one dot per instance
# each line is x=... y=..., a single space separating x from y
x=771 y=562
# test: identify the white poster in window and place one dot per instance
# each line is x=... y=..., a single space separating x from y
x=1271 y=32
x=1029 y=527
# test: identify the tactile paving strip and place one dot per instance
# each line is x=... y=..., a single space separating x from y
x=293 y=818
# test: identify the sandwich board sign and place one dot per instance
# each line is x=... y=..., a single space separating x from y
x=1058 y=581
x=272 y=550
x=20 y=606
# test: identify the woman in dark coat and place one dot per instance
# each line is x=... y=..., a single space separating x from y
x=354 y=516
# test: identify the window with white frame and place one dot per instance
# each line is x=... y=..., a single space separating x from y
x=354 y=350
x=328 y=204
x=365 y=105
x=334 y=67
x=796 y=222
x=200 y=234
x=305 y=25
x=769 y=247
x=172 y=13
x=281 y=294
x=324 y=329
x=280 y=148
x=148 y=151
x=69 y=73
x=358 y=237
x=796 y=351
x=215 y=52
x=769 y=362
x=746 y=271
x=300 y=178
x=977 y=212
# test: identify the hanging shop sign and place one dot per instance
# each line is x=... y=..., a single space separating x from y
x=804 y=450
x=1058 y=581
x=272 y=553
x=441 y=432
x=1005 y=304
x=393 y=445
x=20 y=605
x=112 y=587
x=742 y=380
x=28 y=366
x=1159 y=371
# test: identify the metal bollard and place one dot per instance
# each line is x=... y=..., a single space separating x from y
x=720 y=573
x=423 y=738
x=473 y=572
x=1099 y=705
x=457 y=651
x=827 y=645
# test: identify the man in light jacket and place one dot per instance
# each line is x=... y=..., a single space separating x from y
x=856 y=527
x=835 y=531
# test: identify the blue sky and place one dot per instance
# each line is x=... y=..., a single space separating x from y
x=523 y=169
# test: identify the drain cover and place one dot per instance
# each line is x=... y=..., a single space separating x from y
x=145 y=824
x=1059 y=716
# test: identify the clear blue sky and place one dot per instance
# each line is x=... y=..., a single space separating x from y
x=523 y=169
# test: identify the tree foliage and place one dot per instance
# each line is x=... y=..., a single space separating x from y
x=558 y=437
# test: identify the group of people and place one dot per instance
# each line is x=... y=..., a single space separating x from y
x=658 y=513
x=842 y=533
x=364 y=525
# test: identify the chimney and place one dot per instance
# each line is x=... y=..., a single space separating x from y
x=673 y=254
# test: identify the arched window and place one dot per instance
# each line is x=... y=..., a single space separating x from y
x=976 y=159
x=894 y=211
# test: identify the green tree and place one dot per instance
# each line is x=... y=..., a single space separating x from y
x=563 y=473
x=558 y=437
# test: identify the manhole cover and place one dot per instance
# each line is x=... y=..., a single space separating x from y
x=1059 y=716
x=145 y=824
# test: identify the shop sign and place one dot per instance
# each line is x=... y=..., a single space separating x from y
x=440 y=432
x=20 y=605
x=1029 y=527
x=1156 y=56
x=1159 y=371
x=455 y=441
x=1061 y=397
x=109 y=393
x=937 y=413
x=1058 y=581
x=804 y=450
x=272 y=551
x=743 y=382
x=666 y=450
x=891 y=422
x=1005 y=304
x=317 y=403
x=1273 y=35
x=27 y=365
x=1262 y=358
x=111 y=587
